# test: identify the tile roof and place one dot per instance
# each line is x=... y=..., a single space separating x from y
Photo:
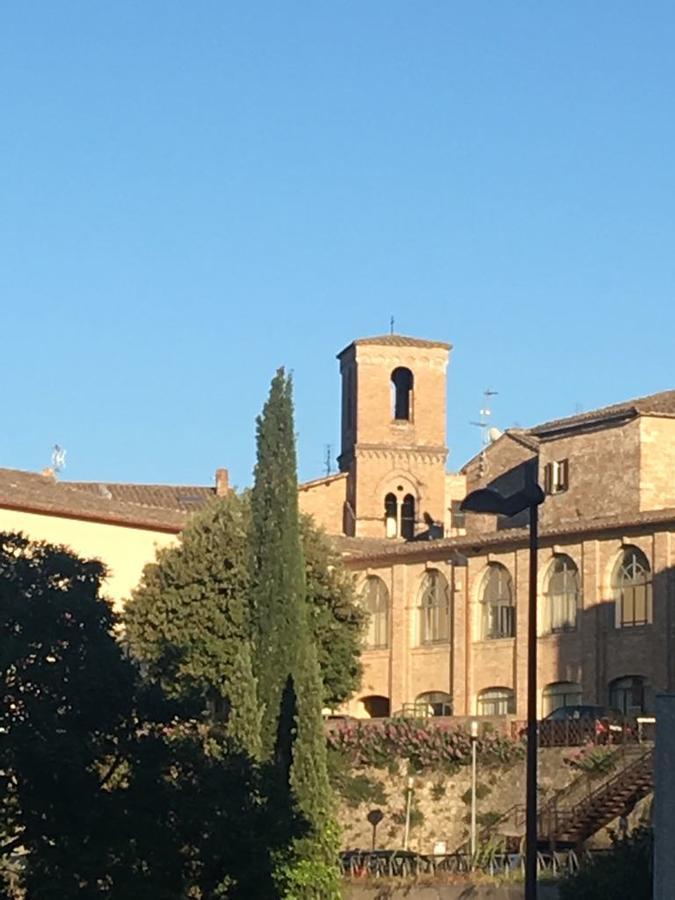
x=162 y=496
x=396 y=340
x=31 y=492
x=394 y=552
x=661 y=404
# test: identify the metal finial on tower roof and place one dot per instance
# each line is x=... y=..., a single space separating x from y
x=391 y=325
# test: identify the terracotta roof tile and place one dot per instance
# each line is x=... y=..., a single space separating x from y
x=661 y=404
x=415 y=550
x=161 y=496
x=31 y=492
x=396 y=340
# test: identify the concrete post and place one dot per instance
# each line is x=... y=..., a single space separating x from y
x=664 y=798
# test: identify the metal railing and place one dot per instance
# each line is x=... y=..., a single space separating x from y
x=405 y=864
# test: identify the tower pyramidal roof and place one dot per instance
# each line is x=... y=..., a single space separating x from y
x=396 y=340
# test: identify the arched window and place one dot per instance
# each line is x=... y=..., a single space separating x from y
x=402 y=383
x=628 y=694
x=376 y=602
x=499 y=613
x=390 y=516
x=496 y=701
x=434 y=608
x=632 y=587
x=408 y=517
x=437 y=702
x=560 y=693
x=376 y=707
x=561 y=596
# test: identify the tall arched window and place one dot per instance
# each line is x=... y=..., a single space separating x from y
x=560 y=693
x=376 y=602
x=561 y=596
x=391 y=516
x=499 y=613
x=434 y=608
x=402 y=385
x=437 y=702
x=628 y=694
x=632 y=587
x=408 y=517
x=496 y=701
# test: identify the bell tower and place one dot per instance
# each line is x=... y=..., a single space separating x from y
x=393 y=435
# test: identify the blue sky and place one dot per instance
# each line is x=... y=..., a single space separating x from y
x=192 y=194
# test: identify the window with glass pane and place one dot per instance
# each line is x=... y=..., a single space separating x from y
x=376 y=602
x=496 y=701
x=632 y=586
x=627 y=695
x=438 y=702
x=561 y=596
x=560 y=693
x=434 y=608
x=499 y=613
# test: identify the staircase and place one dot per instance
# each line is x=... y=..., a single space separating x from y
x=569 y=818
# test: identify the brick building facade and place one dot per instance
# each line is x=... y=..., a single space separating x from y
x=448 y=594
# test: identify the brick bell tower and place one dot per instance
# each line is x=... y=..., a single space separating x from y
x=393 y=435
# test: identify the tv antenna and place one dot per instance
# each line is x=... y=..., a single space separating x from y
x=391 y=324
x=328 y=459
x=484 y=424
x=484 y=419
x=58 y=458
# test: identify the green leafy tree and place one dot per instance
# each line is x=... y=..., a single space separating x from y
x=65 y=719
x=286 y=657
x=189 y=620
x=336 y=618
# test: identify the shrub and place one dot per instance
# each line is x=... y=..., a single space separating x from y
x=437 y=791
x=594 y=761
x=423 y=746
x=626 y=871
x=482 y=791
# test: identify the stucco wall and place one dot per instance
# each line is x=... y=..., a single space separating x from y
x=125 y=551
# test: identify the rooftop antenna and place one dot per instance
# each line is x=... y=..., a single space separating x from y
x=391 y=325
x=58 y=458
x=484 y=424
x=328 y=461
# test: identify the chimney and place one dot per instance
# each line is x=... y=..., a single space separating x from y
x=222 y=482
x=49 y=473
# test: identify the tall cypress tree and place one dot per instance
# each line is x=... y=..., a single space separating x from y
x=278 y=571
x=285 y=652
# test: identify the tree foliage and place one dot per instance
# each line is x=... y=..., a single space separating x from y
x=65 y=717
x=626 y=871
x=189 y=621
x=288 y=668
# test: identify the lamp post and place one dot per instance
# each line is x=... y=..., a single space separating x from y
x=486 y=500
x=474 y=741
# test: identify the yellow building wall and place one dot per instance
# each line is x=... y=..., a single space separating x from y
x=125 y=551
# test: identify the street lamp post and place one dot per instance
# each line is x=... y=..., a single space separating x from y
x=486 y=500
x=474 y=741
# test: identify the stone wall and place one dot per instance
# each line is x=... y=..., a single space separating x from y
x=441 y=802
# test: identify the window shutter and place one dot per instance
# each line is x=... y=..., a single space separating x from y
x=548 y=478
x=563 y=474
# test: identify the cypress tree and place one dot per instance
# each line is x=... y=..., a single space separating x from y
x=279 y=582
x=285 y=652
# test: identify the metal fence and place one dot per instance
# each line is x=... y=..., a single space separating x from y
x=406 y=864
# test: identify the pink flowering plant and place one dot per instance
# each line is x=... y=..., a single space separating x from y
x=423 y=745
